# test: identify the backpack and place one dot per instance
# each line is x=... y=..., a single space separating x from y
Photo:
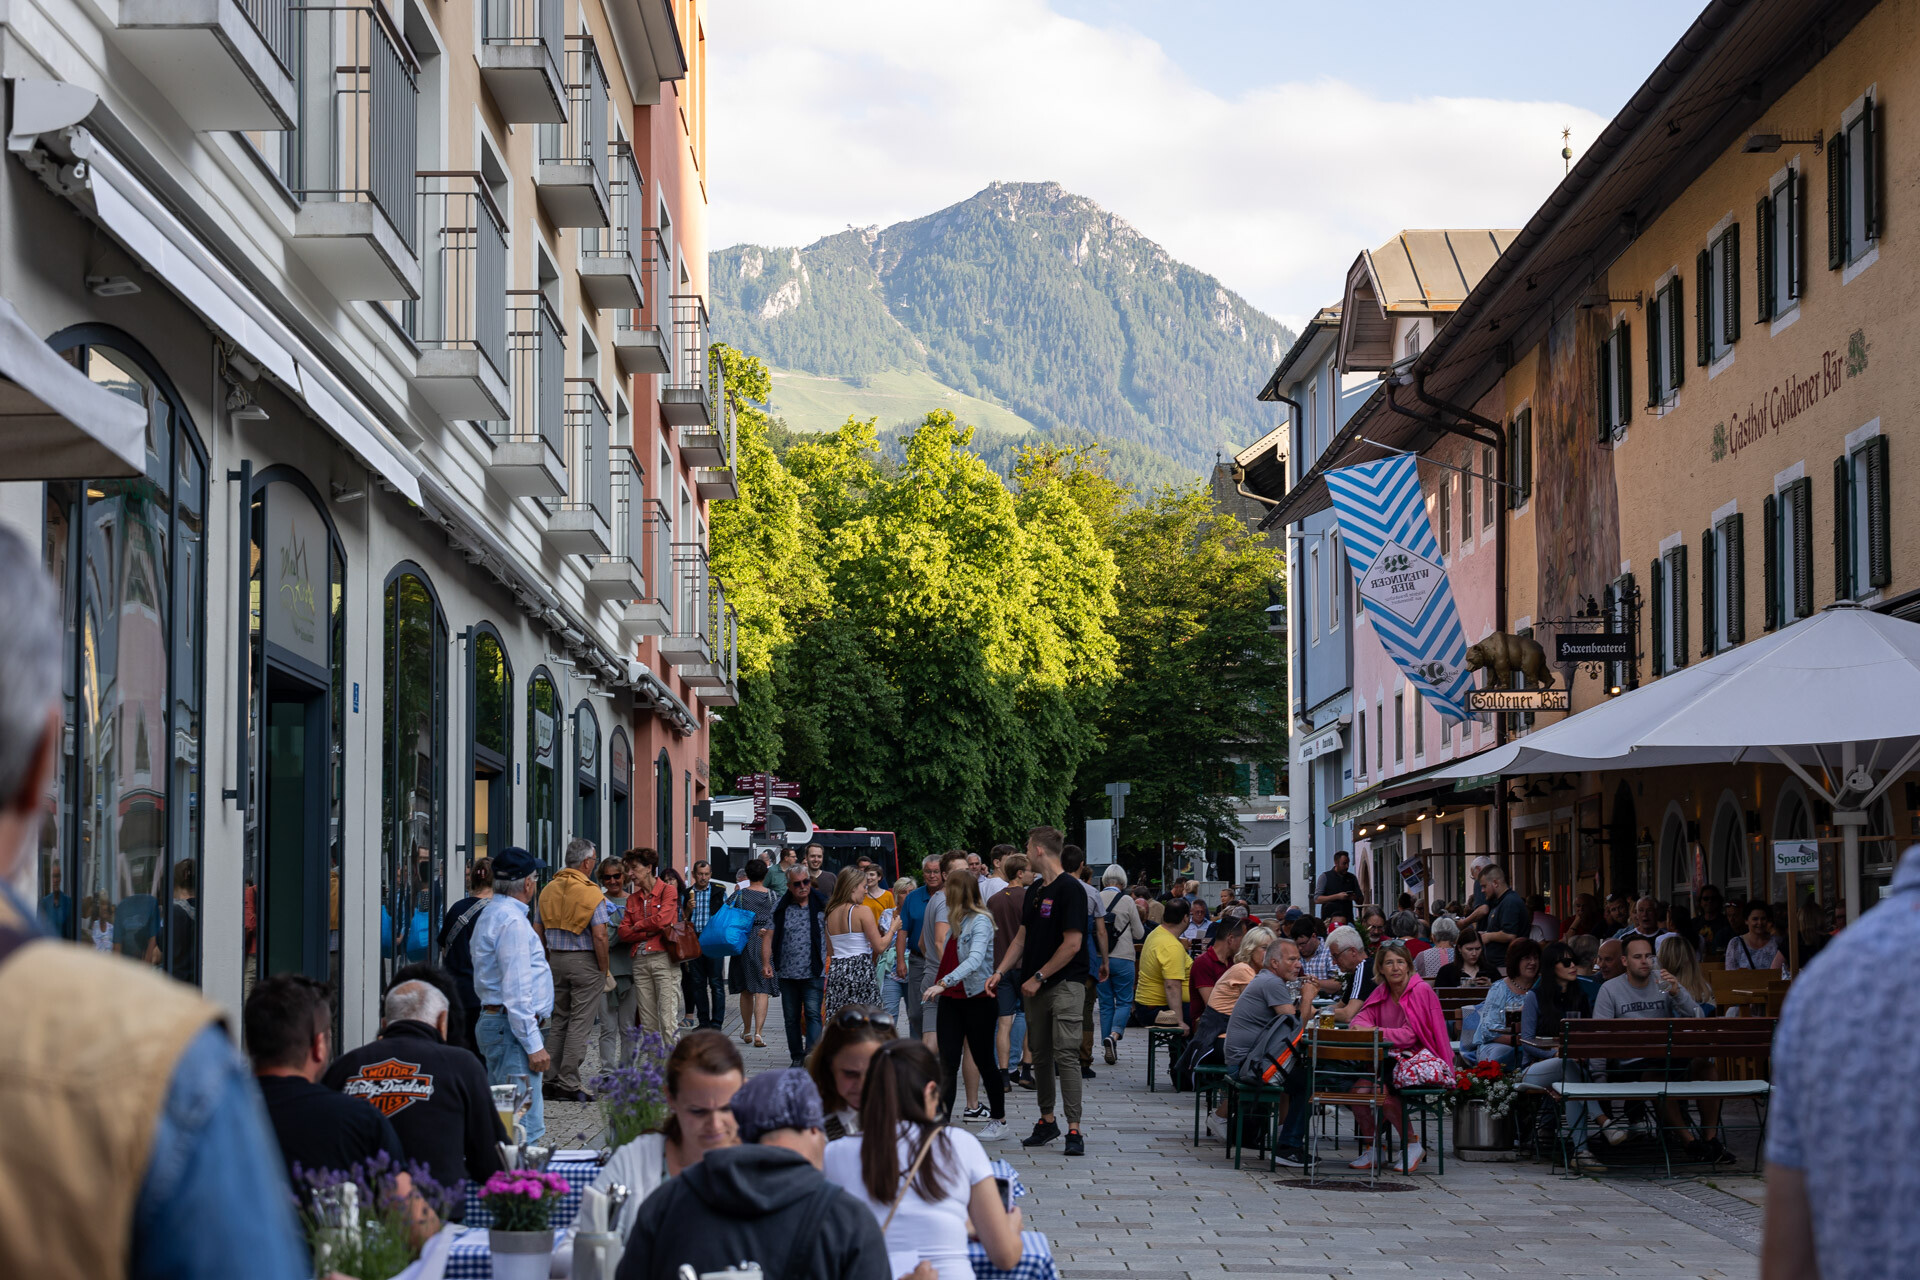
x=1277 y=1056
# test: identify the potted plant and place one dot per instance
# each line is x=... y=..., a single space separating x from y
x=369 y=1220
x=1483 y=1096
x=521 y=1202
x=633 y=1099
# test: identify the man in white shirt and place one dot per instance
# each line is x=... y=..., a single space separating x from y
x=515 y=986
x=995 y=881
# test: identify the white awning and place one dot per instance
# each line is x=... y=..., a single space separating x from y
x=55 y=422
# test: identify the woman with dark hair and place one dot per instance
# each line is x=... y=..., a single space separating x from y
x=1558 y=995
x=923 y=1181
x=456 y=945
x=1468 y=968
x=838 y=1064
x=751 y=972
x=1500 y=1011
x=704 y=1071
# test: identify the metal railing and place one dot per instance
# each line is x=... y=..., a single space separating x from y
x=626 y=198
x=725 y=424
x=657 y=561
x=272 y=21
x=356 y=136
x=589 y=432
x=540 y=22
x=651 y=259
x=689 y=351
x=582 y=139
x=629 y=512
x=463 y=268
x=536 y=352
x=695 y=605
x=726 y=653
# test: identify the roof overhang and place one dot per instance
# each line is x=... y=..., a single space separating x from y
x=55 y=422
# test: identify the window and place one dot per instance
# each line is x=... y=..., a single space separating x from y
x=663 y=805
x=620 y=793
x=119 y=854
x=1360 y=744
x=1313 y=418
x=1787 y=528
x=543 y=768
x=413 y=771
x=1617 y=605
x=1443 y=512
x=1466 y=500
x=586 y=776
x=1665 y=347
x=1723 y=586
x=1670 y=611
x=1777 y=264
x=1419 y=724
x=1860 y=492
x=1853 y=188
x=1336 y=579
x=1489 y=489
x=1313 y=586
x=1399 y=727
x=1380 y=736
x=1446 y=732
x=1716 y=310
x=490 y=713
x=1613 y=379
x=1520 y=459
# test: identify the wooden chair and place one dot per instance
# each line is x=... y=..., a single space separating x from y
x=1341 y=1061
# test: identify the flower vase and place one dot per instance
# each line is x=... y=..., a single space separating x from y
x=521 y=1255
x=1476 y=1128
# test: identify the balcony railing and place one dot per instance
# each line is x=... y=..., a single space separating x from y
x=356 y=138
x=684 y=394
x=524 y=22
x=718 y=682
x=640 y=340
x=689 y=640
x=522 y=43
x=463 y=264
x=716 y=478
x=272 y=21
x=621 y=574
x=572 y=177
x=223 y=67
x=530 y=447
x=589 y=469
x=609 y=267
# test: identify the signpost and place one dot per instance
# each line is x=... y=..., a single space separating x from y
x=1604 y=646
x=1517 y=701
x=1791 y=858
x=763 y=787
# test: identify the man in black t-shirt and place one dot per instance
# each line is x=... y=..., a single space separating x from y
x=1338 y=890
x=1053 y=969
x=1508 y=919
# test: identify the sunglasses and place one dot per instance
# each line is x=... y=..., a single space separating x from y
x=855 y=1018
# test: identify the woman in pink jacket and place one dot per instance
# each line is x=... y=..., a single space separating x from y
x=1409 y=1017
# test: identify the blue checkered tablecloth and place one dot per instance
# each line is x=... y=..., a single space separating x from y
x=1004 y=1171
x=579 y=1168
x=1036 y=1260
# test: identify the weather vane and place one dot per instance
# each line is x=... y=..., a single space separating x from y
x=1566 y=150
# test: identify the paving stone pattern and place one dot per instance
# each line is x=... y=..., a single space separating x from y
x=1144 y=1200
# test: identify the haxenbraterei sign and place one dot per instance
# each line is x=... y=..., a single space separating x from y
x=1517 y=700
x=1604 y=646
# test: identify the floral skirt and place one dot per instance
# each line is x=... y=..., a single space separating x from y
x=851 y=980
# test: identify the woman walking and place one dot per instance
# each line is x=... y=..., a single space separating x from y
x=752 y=969
x=855 y=942
x=965 y=1013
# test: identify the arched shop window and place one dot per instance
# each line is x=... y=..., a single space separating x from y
x=543 y=768
x=413 y=770
x=120 y=853
x=663 y=806
x=586 y=775
x=1728 y=866
x=619 y=793
x=490 y=772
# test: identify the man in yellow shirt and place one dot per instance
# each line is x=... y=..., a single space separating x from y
x=1164 y=965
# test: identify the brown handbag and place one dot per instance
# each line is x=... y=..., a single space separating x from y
x=682 y=941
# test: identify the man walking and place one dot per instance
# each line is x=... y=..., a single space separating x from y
x=1009 y=1033
x=1127 y=930
x=514 y=983
x=800 y=962
x=776 y=881
x=1338 y=890
x=996 y=878
x=1053 y=971
x=1073 y=860
x=912 y=964
x=576 y=913
x=704 y=897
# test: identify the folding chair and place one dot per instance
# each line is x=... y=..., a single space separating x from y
x=1341 y=1062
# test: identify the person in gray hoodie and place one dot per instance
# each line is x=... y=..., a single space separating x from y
x=763 y=1202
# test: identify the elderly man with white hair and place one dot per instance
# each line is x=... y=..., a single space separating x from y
x=435 y=1095
x=1351 y=962
x=1127 y=930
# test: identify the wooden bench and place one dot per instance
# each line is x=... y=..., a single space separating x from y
x=1671 y=1050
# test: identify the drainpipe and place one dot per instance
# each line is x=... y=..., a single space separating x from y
x=1239 y=472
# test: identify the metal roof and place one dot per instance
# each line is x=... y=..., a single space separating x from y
x=1425 y=271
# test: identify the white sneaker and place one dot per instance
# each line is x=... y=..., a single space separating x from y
x=1364 y=1162
x=995 y=1130
x=1415 y=1154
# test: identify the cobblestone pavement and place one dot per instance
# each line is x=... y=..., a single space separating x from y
x=1145 y=1200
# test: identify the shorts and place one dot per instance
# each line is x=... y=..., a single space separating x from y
x=1008 y=996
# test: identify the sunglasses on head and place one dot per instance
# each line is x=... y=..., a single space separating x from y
x=855 y=1018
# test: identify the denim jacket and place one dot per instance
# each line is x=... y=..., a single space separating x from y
x=976 y=955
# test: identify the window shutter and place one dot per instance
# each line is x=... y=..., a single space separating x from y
x=1709 y=622
x=1800 y=499
x=1730 y=281
x=1466 y=499
x=1603 y=389
x=1659 y=616
x=1870 y=169
x=1879 y=567
x=1703 y=308
x=1653 y=353
x=1489 y=493
x=1837 y=201
x=1842 y=526
x=1770 y=560
x=1796 y=230
x=1679 y=571
x=1623 y=361
x=1526 y=452
x=1763 y=252
x=1675 y=326
x=1733 y=529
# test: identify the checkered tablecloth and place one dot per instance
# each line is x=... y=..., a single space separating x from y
x=1036 y=1260
x=1003 y=1170
x=579 y=1168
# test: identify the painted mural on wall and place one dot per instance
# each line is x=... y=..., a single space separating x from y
x=1576 y=518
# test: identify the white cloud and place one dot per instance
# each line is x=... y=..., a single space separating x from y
x=829 y=113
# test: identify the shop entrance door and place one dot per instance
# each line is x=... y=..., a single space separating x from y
x=300 y=902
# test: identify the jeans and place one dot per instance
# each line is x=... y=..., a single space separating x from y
x=916 y=983
x=1053 y=1019
x=507 y=1058
x=1559 y=1070
x=892 y=991
x=800 y=1010
x=707 y=977
x=1116 y=998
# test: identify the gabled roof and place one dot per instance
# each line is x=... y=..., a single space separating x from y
x=1323 y=319
x=1417 y=273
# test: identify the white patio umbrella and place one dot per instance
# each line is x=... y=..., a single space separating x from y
x=1834 y=697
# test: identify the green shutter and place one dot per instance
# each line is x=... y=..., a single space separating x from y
x=1703 y=308
x=1658 y=614
x=1678 y=568
x=1734 y=531
x=1879 y=565
x=1526 y=452
x=1466 y=498
x=1770 y=560
x=1796 y=233
x=1842 y=527
x=1869 y=163
x=1675 y=329
x=1653 y=352
x=1623 y=361
x=1763 y=252
x=1709 y=623
x=1800 y=499
x=1730 y=281
x=1837 y=201
x=1603 y=391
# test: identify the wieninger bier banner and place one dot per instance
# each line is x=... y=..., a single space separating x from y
x=1397 y=571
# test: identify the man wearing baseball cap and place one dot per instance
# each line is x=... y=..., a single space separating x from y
x=764 y=1201
x=515 y=986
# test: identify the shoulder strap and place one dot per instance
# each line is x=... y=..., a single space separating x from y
x=906 y=1179
x=461 y=924
x=816 y=1210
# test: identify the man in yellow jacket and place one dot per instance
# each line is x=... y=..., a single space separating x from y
x=575 y=913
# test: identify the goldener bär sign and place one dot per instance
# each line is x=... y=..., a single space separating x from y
x=1517 y=700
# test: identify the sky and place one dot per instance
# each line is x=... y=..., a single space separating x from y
x=1267 y=142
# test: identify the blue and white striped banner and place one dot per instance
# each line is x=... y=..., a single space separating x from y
x=1397 y=571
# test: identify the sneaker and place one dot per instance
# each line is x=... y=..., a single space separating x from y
x=1697 y=1152
x=995 y=1130
x=976 y=1113
x=1044 y=1131
x=1076 y=1145
x=1415 y=1154
x=1025 y=1079
x=1086 y=1073
x=1364 y=1162
x=1292 y=1157
x=1111 y=1049
x=1718 y=1153
x=1612 y=1130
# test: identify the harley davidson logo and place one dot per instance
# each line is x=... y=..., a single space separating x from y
x=392 y=1086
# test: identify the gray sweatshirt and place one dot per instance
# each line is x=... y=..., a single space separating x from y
x=1620 y=998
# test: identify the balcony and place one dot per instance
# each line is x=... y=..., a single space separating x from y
x=609 y=269
x=621 y=575
x=640 y=341
x=223 y=64
x=571 y=178
x=684 y=396
x=718 y=682
x=710 y=450
x=530 y=447
x=581 y=522
x=521 y=45
x=460 y=320
x=689 y=639
x=350 y=157
x=652 y=613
